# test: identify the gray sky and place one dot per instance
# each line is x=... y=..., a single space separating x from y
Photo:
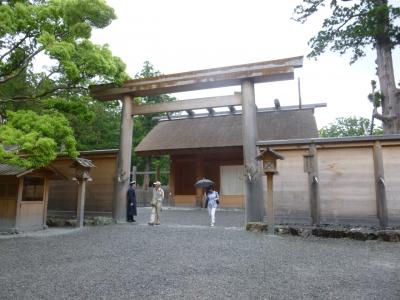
x=178 y=36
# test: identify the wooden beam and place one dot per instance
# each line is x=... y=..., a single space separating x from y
x=187 y=105
x=270 y=204
x=311 y=167
x=199 y=175
x=80 y=206
x=123 y=163
x=380 y=189
x=253 y=188
x=267 y=71
x=45 y=200
x=171 y=182
x=150 y=172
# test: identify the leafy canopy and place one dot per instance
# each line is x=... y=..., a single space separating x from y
x=47 y=61
x=351 y=126
x=39 y=138
x=352 y=25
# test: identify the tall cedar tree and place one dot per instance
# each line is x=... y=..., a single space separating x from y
x=353 y=25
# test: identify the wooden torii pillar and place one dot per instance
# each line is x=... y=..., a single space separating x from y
x=240 y=75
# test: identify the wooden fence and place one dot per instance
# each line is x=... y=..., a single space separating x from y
x=338 y=180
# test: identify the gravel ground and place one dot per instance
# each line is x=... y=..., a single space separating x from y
x=186 y=259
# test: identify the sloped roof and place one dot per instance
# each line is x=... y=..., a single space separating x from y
x=7 y=170
x=83 y=162
x=226 y=131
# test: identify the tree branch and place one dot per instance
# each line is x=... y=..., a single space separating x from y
x=383 y=118
x=347 y=21
x=46 y=93
x=54 y=71
x=42 y=95
x=14 y=47
x=22 y=67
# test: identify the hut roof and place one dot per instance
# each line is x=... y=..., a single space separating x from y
x=10 y=170
x=225 y=131
x=83 y=162
x=7 y=170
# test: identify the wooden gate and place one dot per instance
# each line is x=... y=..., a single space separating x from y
x=32 y=203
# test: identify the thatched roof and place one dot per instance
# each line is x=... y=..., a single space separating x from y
x=225 y=131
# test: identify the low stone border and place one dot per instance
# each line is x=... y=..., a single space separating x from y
x=64 y=222
x=329 y=231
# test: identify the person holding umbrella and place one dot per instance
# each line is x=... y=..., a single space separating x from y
x=212 y=201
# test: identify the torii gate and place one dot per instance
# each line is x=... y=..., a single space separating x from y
x=244 y=75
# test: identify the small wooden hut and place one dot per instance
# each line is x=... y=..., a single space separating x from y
x=24 y=197
x=99 y=192
x=212 y=147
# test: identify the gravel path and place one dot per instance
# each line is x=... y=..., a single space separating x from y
x=185 y=259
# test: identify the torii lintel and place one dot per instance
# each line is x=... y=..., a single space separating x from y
x=267 y=71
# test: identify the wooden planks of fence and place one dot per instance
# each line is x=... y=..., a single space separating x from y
x=341 y=180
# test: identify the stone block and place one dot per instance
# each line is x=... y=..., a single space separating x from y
x=389 y=235
x=256 y=227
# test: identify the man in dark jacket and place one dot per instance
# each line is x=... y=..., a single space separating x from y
x=131 y=202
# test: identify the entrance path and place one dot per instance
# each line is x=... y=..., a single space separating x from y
x=185 y=259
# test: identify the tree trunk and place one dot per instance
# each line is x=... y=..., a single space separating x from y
x=390 y=101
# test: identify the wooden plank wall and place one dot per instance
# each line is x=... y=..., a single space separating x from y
x=184 y=168
x=99 y=192
x=63 y=193
x=346 y=179
x=290 y=186
x=391 y=163
x=30 y=215
x=8 y=202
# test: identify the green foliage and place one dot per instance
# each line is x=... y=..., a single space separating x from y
x=59 y=29
x=96 y=124
x=47 y=63
x=375 y=97
x=352 y=25
x=37 y=138
x=351 y=126
x=102 y=132
x=144 y=123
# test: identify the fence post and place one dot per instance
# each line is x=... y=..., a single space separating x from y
x=311 y=167
x=380 y=189
x=133 y=173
